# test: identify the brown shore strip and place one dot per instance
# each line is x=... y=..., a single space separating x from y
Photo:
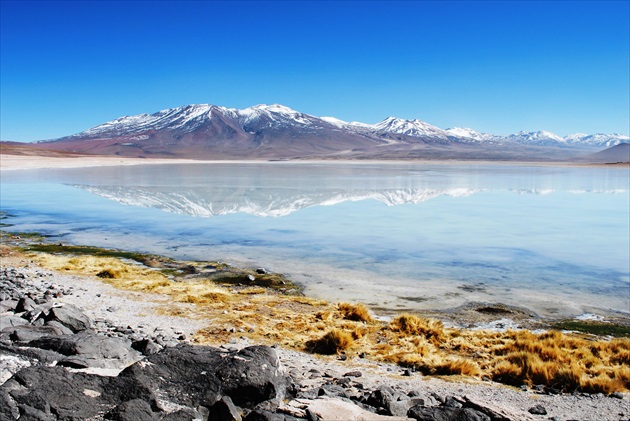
x=19 y=157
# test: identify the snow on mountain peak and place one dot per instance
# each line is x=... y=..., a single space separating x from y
x=335 y=121
x=463 y=132
x=189 y=118
x=414 y=127
x=273 y=108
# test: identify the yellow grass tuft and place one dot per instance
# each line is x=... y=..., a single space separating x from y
x=414 y=325
x=355 y=312
x=333 y=342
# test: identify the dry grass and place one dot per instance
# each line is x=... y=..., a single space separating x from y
x=561 y=361
x=355 y=312
x=332 y=342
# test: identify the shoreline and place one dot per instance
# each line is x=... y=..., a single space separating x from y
x=142 y=310
x=476 y=313
x=11 y=162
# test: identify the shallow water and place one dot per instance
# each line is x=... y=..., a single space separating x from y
x=395 y=236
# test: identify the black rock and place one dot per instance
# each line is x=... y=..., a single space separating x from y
x=195 y=376
x=224 y=410
x=71 y=317
x=9 y=321
x=537 y=410
x=353 y=374
x=146 y=346
x=253 y=375
x=451 y=402
x=62 y=328
x=8 y=408
x=29 y=413
x=442 y=413
x=332 y=390
x=262 y=415
x=25 y=304
x=87 y=349
x=133 y=410
x=73 y=395
x=28 y=333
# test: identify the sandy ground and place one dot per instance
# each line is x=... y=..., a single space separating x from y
x=23 y=162
x=26 y=162
x=138 y=310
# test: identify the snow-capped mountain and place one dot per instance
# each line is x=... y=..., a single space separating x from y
x=192 y=117
x=411 y=128
x=598 y=139
x=465 y=133
x=277 y=131
x=541 y=137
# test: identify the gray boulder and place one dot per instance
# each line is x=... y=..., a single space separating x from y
x=89 y=350
x=72 y=395
x=224 y=410
x=133 y=410
x=444 y=413
x=25 y=304
x=71 y=317
x=28 y=333
x=8 y=321
x=194 y=376
x=253 y=375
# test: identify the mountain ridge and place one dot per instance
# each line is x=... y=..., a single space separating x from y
x=277 y=131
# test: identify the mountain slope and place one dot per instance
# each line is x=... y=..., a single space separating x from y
x=612 y=155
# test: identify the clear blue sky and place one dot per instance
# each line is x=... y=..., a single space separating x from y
x=497 y=67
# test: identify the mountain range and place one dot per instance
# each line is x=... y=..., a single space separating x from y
x=278 y=132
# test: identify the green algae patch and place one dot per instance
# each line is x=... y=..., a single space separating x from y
x=594 y=328
x=249 y=278
x=94 y=251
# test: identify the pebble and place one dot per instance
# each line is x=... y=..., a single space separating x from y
x=537 y=410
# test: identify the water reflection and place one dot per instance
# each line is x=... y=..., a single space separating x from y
x=274 y=202
x=394 y=235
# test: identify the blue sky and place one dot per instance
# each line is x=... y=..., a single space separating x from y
x=497 y=67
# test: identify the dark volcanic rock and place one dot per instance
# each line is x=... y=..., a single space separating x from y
x=224 y=410
x=146 y=346
x=421 y=413
x=25 y=304
x=29 y=333
x=183 y=374
x=71 y=317
x=253 y=375
x=87 y=349
x=194 y=375
x=133 y=410
x=8 y=321
x=537 y=410
x=73 y=395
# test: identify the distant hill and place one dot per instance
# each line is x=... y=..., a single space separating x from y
x=278 y=132
x=30 y=149
x=616 y=154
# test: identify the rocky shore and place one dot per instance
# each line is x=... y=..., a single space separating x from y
x=72 y=347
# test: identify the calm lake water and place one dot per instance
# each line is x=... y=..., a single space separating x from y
x=395 y=236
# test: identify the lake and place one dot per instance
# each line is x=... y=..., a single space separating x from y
x=396 y=236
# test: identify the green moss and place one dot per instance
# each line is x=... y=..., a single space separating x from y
x=219 y=273
x=92 y=251
x=242 y=277
x=594 y=328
